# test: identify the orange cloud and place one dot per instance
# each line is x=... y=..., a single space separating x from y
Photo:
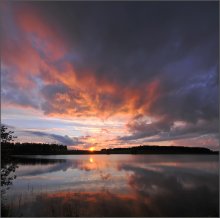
x=32 y=22
x=41 y=46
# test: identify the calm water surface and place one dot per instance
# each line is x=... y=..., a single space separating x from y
x=116 y=185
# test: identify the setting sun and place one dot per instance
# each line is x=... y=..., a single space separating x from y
x=91 y=149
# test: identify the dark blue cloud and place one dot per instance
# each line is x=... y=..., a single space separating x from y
x=61 y=139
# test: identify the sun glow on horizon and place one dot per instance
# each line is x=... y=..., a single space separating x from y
x=91 y=149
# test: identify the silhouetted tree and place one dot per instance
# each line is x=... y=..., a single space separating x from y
x=6 y=136
x=8 y=166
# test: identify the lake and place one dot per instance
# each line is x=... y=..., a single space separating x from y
x=115 y=185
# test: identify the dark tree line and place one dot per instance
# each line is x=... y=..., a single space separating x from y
x=151 y=149
x=38 y=148
x=34 y=148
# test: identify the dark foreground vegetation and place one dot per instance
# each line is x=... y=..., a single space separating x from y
x=55 y=149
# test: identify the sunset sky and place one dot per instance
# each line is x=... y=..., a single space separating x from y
x=111 y=74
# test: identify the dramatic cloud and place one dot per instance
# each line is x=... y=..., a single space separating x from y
x=105 y=59
x=164 y=130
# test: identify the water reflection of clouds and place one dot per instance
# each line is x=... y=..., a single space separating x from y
x=91 y=164
x=106 y=185
x=83 y=204
x=106 y=203
x=182 y=193
x=42 y=169
x=70 y=174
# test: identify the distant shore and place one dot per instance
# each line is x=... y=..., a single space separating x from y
x=55 y=149
x=148 y=150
